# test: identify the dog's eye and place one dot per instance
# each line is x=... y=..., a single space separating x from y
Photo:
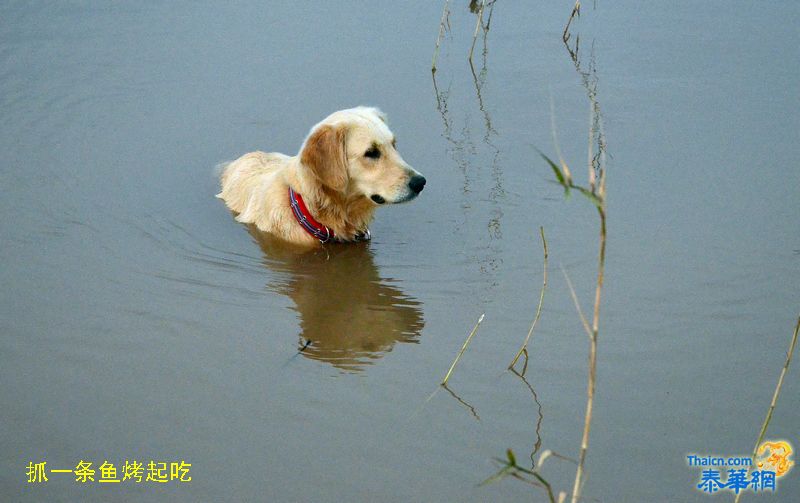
x=373 y=153
x=394 y=142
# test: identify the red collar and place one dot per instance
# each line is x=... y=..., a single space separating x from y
x=321 y=232
x=318 y=231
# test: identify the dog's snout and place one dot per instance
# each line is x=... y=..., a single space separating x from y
x=417 y=183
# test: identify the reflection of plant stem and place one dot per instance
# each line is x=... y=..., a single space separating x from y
x=478 y=24
x=538 y=444
x=444 y=24
x=524 y=347
x=489 y=19
x=486 y=117
x=576 y=12
x=479 y=79
x=463 y=348
x=441 y=105
x=775 y=395
x=462 y=401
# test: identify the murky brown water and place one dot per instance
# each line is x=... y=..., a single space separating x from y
x=139 y=320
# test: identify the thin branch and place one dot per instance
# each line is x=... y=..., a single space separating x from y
x=442 y=27
x=585 y=323
x=576 y=12
x=478 y=24
x=591 y=145
x=775 y=395
x=587 y=423
x=524 y=347
x=463 y=348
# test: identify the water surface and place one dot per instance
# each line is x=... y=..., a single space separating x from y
x=139 y=320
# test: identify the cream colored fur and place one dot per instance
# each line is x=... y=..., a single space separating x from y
x=337 y=181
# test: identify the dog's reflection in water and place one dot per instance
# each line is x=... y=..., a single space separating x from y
x=349 y=314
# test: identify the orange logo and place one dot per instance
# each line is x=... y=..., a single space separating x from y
x=775 y=455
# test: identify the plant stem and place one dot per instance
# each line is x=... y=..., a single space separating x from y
x=538 y=309
x=442 y=27
x=478 y=24
x=576 y=11
x=775 y=395
x=587 y=423
x=463 y=348
x=585 y=323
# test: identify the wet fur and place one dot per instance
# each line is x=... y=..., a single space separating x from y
x=331 y=173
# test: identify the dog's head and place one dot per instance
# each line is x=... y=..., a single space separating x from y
x=354 y=152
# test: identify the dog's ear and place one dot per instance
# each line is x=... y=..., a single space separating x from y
x=325 y=155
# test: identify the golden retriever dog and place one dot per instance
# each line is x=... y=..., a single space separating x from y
x=347 y=166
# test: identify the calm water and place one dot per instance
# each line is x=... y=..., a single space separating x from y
x=139 y=320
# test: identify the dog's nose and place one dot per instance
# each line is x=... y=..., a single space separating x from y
x=417 y=183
